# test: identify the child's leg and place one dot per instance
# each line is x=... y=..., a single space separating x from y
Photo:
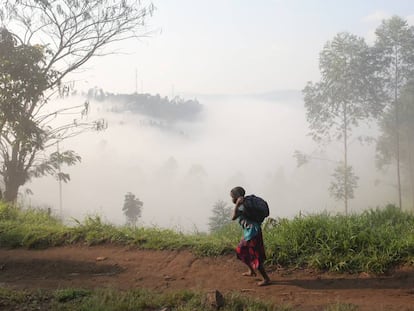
x=266 y=279
x=250 y=272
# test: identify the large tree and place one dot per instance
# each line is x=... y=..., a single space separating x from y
x=22 y=136
x=42 y=42
x=394 y=51
x=347 y=93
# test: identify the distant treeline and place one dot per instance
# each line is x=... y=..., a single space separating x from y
x=154 y=106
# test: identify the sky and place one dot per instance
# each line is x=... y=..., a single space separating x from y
x=235 y=46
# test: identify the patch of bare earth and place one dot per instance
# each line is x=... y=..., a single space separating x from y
x=126 y=268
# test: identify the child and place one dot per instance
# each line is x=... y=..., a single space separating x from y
x=251 y=248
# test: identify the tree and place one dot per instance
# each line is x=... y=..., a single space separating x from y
x=132 y=208
x=386 y=151
x=42 y=42
x=394 y=51
x=22 y=137
x=344 y=183
x=221 y=216
x=347 y=94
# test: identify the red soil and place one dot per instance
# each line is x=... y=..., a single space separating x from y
x=126 y=268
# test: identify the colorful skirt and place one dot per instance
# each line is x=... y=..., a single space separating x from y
x=252 y=252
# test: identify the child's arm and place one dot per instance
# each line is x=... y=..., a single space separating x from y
x=236 y=212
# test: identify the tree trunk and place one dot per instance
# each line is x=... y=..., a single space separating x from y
x=411 y=168
x=14 y=177
x=346 y=159
x=11 y=191
x=397 y=133
x=398 y=156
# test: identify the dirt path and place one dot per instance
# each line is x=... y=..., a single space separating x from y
x=125 y=268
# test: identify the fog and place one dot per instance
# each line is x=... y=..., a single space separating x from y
x=180 y=171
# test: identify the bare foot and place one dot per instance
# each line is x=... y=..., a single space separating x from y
x=250 y=273
x=263 y=283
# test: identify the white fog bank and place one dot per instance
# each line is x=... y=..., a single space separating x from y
x=181 y=170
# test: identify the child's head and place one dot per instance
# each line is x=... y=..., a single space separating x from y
x=236 y=193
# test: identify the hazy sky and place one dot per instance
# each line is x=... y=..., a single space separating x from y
x=236 y=46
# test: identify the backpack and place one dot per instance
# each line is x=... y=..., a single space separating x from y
x=255 y=208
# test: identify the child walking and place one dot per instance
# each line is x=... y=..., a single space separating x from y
x=251 y=248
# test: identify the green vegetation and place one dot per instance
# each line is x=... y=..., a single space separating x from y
x=373 y=241
x=35 y=228
x=137 y=299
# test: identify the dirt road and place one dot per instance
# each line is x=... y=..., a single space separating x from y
x=125 y=268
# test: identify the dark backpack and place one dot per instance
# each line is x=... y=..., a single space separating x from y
x=255 y=208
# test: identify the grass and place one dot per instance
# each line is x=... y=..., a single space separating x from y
x=373 y=241
x=36 y=229
x=137 y=299
x=111 y=299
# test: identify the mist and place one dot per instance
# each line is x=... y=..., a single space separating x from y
x=181 y=169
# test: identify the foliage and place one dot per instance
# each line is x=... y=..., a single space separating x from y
x=41 y=43
x=36 y=229
x=344 y=183
x=22 y=82
x=135 y=299
x=394 y=53
x=374 y=241
x=348 y=93
x=132 y=208
x=221 y=216
x=65 y=295
x=386 y=151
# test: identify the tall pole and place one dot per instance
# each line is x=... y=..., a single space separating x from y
x=136 y=81
x=60 y=184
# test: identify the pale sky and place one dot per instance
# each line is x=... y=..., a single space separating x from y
x=235 y=46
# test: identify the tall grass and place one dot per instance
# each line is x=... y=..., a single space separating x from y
x=35 y=228
x=373 y=241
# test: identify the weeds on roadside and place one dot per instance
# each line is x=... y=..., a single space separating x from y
x=373 y=241
x=137 y=299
